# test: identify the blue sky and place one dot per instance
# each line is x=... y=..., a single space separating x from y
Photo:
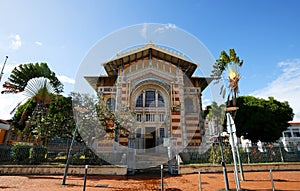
x=265 y=35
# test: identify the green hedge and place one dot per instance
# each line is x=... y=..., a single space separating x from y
x=20 y=152
x=37 y=154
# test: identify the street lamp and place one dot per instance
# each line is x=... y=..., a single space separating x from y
x=1 y=74
x=223 y=163
x=81 y=110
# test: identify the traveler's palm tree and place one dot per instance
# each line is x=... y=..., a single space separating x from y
x=41 y=91
x=34 y=80
x=229 y=63
x=20 y=75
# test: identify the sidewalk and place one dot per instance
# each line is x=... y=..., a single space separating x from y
x=284 y=180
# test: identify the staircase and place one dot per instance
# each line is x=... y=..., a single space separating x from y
x=151 y=160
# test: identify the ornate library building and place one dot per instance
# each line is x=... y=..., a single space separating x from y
x=156 y=85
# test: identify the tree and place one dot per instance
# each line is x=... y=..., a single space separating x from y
x=260 y=119
x=39 y=84
x=21 y=74
x=23 y=113
x=91 y=126
x=58 y=121
x=231 y=64
x=41 y=91
x=60 y=117
x=216 y=113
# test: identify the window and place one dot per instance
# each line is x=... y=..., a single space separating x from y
x=150 y=117
x=296 y=134
x=14 y=136
x=161 y=117
x=287 y=134
x=189 y=105
x=138 y=133
x=161 y=132
x=111 y=103
x=139 y=117
x=161 y=102
x=139 y=101
x=150 y=99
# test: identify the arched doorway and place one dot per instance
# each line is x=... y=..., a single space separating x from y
x=150 y=103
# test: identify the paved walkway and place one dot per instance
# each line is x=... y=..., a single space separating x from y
x=283 y=180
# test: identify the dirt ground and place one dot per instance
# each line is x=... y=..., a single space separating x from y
x=283 y=180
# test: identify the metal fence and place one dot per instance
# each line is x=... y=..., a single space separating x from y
x=56 y=153
x=267 y=154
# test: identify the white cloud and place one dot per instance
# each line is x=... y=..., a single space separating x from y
x=65 y=79
x=8 y=102
x=144 y=30
x=16 y=42
x=286 y=87
x=165 y=27
x=9 y=67
x=38 y=43
x=205 y=102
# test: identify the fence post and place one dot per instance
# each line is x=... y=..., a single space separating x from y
x=162 y=176
x=223 y=164
x=85 y=175
x=272 y=181
x=200 y=182
x=281 y=156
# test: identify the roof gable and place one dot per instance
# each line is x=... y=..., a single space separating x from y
x=149 y=50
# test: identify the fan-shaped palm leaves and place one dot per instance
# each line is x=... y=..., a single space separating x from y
x=20 y=75
x=41 y=91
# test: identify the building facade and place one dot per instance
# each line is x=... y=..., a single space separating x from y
x=158 y=87
x=291 y=137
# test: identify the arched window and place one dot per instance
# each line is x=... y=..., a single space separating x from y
x=189 y=105
x=150 y=99
x=161 y=102
x=139 y=101
x=111 y=103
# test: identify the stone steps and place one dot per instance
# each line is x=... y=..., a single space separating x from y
x=150 y=160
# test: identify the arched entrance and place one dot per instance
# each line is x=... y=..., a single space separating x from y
x=150 y=102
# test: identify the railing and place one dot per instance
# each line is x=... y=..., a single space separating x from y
x=57 y=154
x=266 y=154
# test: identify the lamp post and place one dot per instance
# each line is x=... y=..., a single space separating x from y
x=231 y=130
x=219 y=139
x=3 y=68
x=223 y=163
x=81 y=110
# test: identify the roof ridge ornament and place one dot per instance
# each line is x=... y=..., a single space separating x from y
x=150 y=44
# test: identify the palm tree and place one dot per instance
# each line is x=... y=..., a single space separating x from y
x=38 y=83
x=231 y=64
x=41 y=91
x=21 y=74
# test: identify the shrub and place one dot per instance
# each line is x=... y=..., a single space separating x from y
x=215 y=155
x=37 y=154
x=20 y=152
x=5 y=154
